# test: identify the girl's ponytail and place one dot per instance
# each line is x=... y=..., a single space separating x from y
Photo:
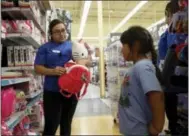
x=154 y=61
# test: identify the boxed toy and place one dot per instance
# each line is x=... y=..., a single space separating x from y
x=7 y=3
x=10 y=56
x=29 y=55
x=17 y=55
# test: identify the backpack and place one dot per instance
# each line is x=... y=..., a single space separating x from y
x=8 y=102
x=74 y=81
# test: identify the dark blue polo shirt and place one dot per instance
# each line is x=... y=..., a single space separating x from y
x=51 y=55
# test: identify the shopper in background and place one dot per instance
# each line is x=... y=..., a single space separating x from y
x=141 y=104
x=165 y=42
x=166 y=39
x=49 y=62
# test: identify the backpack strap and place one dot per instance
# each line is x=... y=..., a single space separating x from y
x=84 y=92
x=65 y=95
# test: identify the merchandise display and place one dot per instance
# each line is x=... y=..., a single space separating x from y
x=116 y=69
x=21 y=89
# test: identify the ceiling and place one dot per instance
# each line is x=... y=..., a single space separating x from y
x=113 y=13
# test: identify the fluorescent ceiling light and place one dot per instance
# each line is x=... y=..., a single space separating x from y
x=84 y=18
x=129 y=15
x=157 y=23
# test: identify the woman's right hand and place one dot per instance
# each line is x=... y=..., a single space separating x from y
x=59 y=71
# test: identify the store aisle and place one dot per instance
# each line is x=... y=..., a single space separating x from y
x=95 y=125
x=91 y=104
x=93 y=116
x=93 y=91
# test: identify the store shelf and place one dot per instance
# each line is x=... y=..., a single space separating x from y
x=20 y=39
x=116 y=43
x=21 y=13
x=6 y=82
x=35 y=99
x=17 y=117
x=33 y=95
x=3 y=69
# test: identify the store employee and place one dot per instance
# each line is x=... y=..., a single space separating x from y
x=49 y=62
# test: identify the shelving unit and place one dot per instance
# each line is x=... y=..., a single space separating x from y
x=21 y=13
x=18 y=116
x=3 y=69
x=22 y=39
x=12 y=81
x=116 y=69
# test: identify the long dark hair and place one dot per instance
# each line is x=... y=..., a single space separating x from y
x=171 y=7
x=139 y=34
x=52 y=24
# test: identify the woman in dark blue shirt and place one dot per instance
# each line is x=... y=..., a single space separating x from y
x=50 y=60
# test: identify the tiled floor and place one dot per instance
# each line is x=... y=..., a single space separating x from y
x=92 y=92
x=92 y=107
x=93 y=116
x=95 y=125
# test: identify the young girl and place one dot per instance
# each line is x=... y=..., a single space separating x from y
x=141 y=104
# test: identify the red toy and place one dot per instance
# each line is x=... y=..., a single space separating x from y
x=76 y=80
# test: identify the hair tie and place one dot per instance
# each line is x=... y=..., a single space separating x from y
x=149 y=55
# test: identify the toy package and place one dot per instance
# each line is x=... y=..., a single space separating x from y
x=77 y=78
x=5 y=130
x=8 y=102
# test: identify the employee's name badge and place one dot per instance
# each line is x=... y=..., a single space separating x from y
x=55 y=51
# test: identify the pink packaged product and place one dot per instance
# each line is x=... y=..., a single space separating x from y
x=25 y=26
x=8 y=102
x=19 y=26
x=11 y=26
x=3 y=26
x=5 y=130
x=23 y=127
x=7 y=3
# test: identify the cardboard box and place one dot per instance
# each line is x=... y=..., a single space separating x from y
x=17 y=55
x=21 y=56
x=28 y=55
x=10 y=56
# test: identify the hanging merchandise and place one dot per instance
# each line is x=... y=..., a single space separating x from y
x=77 y=73
x=63 y=15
